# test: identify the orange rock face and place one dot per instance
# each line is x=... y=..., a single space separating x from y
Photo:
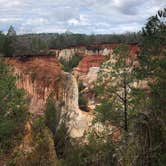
x=95 y=60
x=90 y=61
x=50 y=79
x=42 y=66
x=44 y=70
x=38 y=76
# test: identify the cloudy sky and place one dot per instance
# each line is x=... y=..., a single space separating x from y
x=78 y=16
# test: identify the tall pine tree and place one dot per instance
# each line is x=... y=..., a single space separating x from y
x=114 y=87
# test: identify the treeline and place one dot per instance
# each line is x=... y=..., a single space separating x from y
x=5 y=45
x=39 y=44
x=69 y=40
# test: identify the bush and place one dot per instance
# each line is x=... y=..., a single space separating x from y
x=69 y=65
x=96 y=152
x=51 y=115
x=12 y=109
x=83 y=102
x=60 y=131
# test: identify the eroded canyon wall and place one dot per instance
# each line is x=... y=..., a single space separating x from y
x=105 y=49
x=41 y=76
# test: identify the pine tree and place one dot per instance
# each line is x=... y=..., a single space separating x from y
x=151 y=119
x=114 y=86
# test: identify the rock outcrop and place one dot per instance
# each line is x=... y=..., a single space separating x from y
x=79 y=121
x=86 y=64
x=67 y=53
x=42 y=76
x=38 y=77
x=105 y=49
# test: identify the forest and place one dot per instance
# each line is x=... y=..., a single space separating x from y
x=129 y=94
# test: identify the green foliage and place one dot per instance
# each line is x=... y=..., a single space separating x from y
x=51 y=115
x=12 y=109
x=38 y=124
x=6 y=45
x=96 y=152
x=59 y=130
x=83 y=102
x=2 y=41
x=69 y=152
x=38 y=46
x=106 y=113
x=32 y=44
x=69 y=65
x=62 y=140
x=61 y=41
x=150 y=121
x=115 y=85
x=80 y=86
x=42 y=153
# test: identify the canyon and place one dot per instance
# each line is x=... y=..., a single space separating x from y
x=74 y=99
x=41 y=76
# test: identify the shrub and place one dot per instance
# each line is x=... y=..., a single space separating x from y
x=69 y=65
x=96 y=152
x=83 y=102
x=12 y=109
x=51 y=116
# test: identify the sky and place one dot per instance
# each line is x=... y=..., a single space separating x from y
x=77 y=16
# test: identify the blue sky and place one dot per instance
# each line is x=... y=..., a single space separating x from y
x=78 y=16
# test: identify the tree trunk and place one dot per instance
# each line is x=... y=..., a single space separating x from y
x=125 y=106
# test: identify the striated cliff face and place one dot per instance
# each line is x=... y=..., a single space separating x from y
x=89 y=66
x=41 y=76
x=79 y=120
x=38 y=77
x=95 y=49
x=86 y=65
x=67 y=53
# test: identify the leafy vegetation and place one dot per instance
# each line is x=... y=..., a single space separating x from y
x=96 y=152
x=115 y=85
x=152 y=122
x=42 y=153
x=38 y=44
x=69 y=65
x=138 y=112
x=144 y=143
x=6 y=45
x=59 y=130
x=68 y=40
x=83 y=102
x=12 y=109
x=51 y=115
x=69 y=151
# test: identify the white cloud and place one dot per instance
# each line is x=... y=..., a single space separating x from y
x=36 y=22
x=82 y=20
x=86 y=16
